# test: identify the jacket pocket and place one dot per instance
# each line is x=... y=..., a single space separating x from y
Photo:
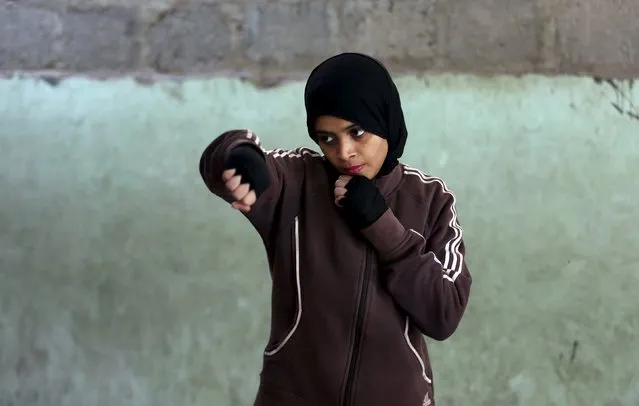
x=277 y=346
x=418 y=358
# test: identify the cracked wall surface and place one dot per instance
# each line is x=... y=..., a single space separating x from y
x=268 y=41
x=123 y=281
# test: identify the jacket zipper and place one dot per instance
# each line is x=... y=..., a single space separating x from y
x=361 y=308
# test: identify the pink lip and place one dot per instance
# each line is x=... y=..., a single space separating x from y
x=354 y=170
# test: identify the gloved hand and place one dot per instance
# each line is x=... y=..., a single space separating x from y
x=360 y=200
x=246 y=176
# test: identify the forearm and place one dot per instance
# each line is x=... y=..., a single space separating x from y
x=434 y=297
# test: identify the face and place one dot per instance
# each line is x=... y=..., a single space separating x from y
x=349 y=148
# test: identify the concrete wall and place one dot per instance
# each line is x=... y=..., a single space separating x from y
x=265 y=41
x=124 y=282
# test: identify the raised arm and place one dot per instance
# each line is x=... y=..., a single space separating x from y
x=275 y=176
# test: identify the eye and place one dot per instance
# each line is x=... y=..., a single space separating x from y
x=326 y=139
x=357 y=132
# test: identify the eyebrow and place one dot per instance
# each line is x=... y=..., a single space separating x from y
x=348 y=127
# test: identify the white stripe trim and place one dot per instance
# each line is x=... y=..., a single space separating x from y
x=446 y=271
x=453 y=259
x=281 y=153
x=299 y=293
x=296 y=153
x=253 y=137
x=412 y=348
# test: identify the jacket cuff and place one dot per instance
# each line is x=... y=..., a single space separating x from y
x=385 y=234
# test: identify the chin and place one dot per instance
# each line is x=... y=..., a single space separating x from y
x=366 y=175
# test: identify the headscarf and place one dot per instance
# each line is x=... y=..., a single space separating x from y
x=359 y=89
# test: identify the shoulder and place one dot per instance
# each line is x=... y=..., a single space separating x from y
x=427 y=188
x=292 y=161
x=301 y=153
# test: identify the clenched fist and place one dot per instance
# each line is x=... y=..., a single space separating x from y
x=246 y=176
x=244 y=196
x=360 y=200
x=340 y=188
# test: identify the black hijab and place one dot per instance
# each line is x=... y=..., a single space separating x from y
x=359 y=89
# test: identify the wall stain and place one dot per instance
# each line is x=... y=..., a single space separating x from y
x=623 y=92
x=567 y=374
x=143 y=80
x=53 y=81
x=36 y=359
x=573 y=353
x=174 y=91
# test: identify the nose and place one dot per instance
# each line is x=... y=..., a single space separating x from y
x=346 y=150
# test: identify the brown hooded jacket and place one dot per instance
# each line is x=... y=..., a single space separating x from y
x=349 y=307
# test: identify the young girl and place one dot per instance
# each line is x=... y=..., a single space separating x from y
x=366 y=254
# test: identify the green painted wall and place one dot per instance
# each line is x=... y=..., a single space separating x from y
x=124 y=282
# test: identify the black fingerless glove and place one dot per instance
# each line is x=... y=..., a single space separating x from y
x=363 y=204
x=249 y=163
